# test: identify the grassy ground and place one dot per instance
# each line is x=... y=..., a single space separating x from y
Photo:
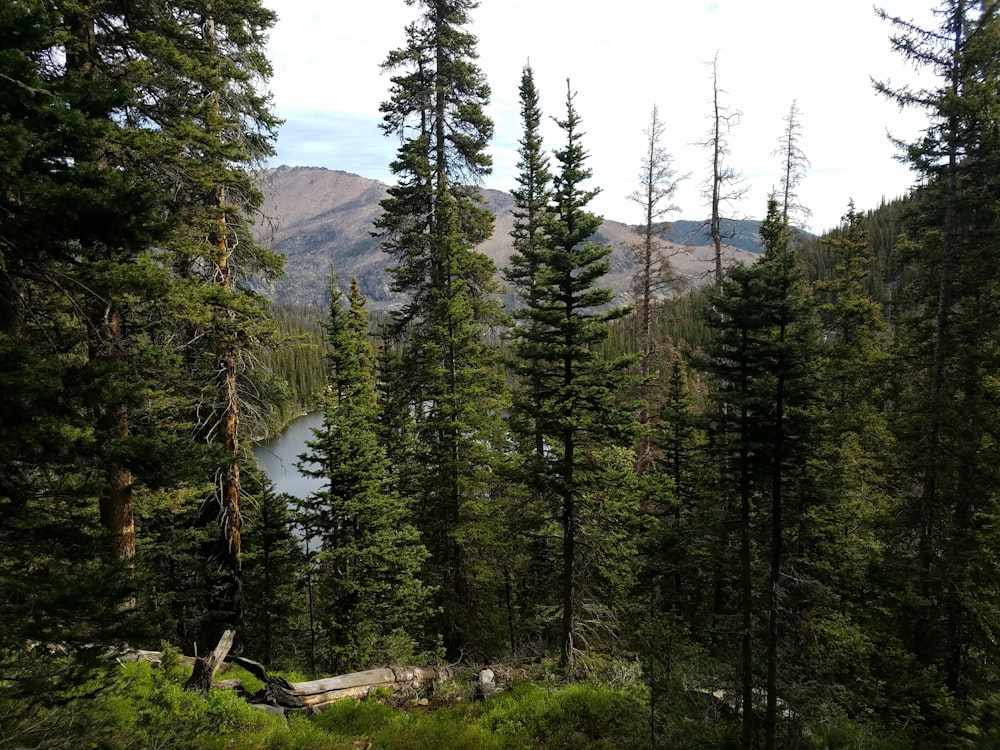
x=141 y=707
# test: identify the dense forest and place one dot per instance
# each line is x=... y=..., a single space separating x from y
x=760 y=511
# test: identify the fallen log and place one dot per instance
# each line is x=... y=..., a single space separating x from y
x=317 y=694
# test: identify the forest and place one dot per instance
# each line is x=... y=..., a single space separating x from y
x=757 y=511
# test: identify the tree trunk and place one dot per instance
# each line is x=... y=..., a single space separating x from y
x=567 y=654
x=777 y=469
x=231 y=518
x=106 y=345
x=206 y=667
x=318 y=693
x=746 y=568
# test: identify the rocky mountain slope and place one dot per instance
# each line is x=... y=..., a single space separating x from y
x=318 y=217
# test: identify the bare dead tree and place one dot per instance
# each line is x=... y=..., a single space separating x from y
x=655 y=274
x=724 y=185
x=793 y=166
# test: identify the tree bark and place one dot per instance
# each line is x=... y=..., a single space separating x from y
x=206 y=667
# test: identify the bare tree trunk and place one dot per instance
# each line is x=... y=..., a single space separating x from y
x=206 y=667
x=567 y=654
x=723 y=185
x=231 y=517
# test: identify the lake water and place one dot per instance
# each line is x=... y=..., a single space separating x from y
x=279 y=456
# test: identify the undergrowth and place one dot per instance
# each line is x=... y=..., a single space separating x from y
x=141 y=707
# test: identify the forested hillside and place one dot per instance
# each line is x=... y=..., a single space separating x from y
x=754 y=506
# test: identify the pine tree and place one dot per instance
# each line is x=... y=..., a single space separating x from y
x=368 y=594
x=433 y=218
x=564 y=321
x=836 y=543
x=73 y=232
x=274 y=562
x=764 y=359
x=201 y=127
x=531 y=203
x=947 y=333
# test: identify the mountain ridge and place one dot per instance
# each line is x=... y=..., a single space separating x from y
x=319 y=217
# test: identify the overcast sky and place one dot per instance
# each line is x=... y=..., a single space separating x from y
x=622 y=58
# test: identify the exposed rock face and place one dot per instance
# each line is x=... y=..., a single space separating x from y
x=318 y=217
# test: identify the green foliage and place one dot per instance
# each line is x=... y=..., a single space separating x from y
x=573 y=716
x=273 y=562
x=946 y=336
x=450 y=380
x=369 y=598
x=295 y=364
x=565 y=407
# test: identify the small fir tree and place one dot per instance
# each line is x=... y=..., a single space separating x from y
x=369 y=597
x=572 y=400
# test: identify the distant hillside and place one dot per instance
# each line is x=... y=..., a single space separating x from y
x=318 y=217
x=740 y=233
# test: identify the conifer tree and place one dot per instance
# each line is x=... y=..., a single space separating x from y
x=433 y=219
x=575 y=388
x=201 y=127
x=947 y=329
x=274 y=562
x=531 y=203
x=66 y=220
x=764 y=359
x=369 y=597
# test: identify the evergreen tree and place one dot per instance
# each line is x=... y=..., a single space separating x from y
x=72 y=246
x=531 y=203
x=764 y=359
x=835 y=547
x=947 y=332
x=368 y=595
x=200 y=127
x=565 y=319
x=274 y=563
x=434 y=217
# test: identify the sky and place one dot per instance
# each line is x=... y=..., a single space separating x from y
x=621 y=58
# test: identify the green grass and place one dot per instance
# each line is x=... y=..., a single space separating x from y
x=146 y=707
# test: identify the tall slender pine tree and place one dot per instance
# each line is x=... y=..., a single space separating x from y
x=433 y=219
x=571 y=394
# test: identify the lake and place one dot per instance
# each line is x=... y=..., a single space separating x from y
x=278 y=457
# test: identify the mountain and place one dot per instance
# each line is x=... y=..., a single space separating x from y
x=318 y=217
x=740 y=233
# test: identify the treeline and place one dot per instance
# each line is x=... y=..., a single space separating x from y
x=777 y=491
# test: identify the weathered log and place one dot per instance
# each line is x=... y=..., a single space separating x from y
x=206 y=667
x=318 y=693
x=255 y=668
